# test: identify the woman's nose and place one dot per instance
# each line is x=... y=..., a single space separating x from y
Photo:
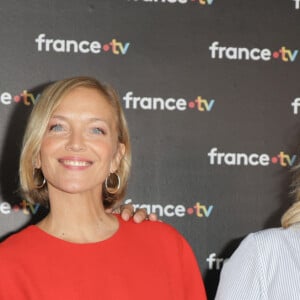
x=75 y=142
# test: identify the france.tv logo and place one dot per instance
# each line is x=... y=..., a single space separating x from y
x=86 y=47
x=25 y=97
x=255 y=54
x=217 y=157
x=198 y=103
x=170 y=210
x=24 y=206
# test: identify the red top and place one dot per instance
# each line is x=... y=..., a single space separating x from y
x=140 y=261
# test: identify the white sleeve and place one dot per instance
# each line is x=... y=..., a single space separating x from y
x=242 y=276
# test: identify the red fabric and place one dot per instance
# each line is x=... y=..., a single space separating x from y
x=141 y=261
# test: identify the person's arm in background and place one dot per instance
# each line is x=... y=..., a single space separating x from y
x=241 y=276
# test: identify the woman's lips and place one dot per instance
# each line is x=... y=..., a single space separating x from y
x=75 y=162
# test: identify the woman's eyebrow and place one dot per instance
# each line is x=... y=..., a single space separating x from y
x=58 y=117
x=89 y=119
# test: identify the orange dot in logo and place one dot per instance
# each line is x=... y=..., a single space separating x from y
x=106 y=47
x=275 y=54
x=190 y=210
x=191 y=104
x=17 y=98
x=274 y=160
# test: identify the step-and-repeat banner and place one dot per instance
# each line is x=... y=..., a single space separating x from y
x=211 y=92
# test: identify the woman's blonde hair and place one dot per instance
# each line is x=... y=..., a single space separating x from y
x=292 y=215
x=31 y=178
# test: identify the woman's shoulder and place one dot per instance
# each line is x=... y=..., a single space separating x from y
x=264 y=247
x=277 y=235
x=269 y=243
x=151 y=229
x=16 y=239
x=158 y=237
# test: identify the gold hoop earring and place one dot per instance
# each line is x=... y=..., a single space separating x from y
x=37 y=176
x=43 y=183
x=112 y=183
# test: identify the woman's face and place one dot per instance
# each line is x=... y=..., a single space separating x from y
x=79 y=148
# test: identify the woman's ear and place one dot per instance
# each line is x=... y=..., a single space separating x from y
x=117 y=158
x=37 y=161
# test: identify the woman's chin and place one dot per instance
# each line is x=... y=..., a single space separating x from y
x=75 y=188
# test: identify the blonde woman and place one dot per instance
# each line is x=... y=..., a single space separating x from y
x=76 y=156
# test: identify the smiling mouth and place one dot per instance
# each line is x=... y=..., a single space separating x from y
x=75 y=163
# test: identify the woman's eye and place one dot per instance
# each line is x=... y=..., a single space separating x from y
x=56 y=127
x=97 y=130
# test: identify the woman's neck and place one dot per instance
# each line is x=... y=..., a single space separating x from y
x=78 y=218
